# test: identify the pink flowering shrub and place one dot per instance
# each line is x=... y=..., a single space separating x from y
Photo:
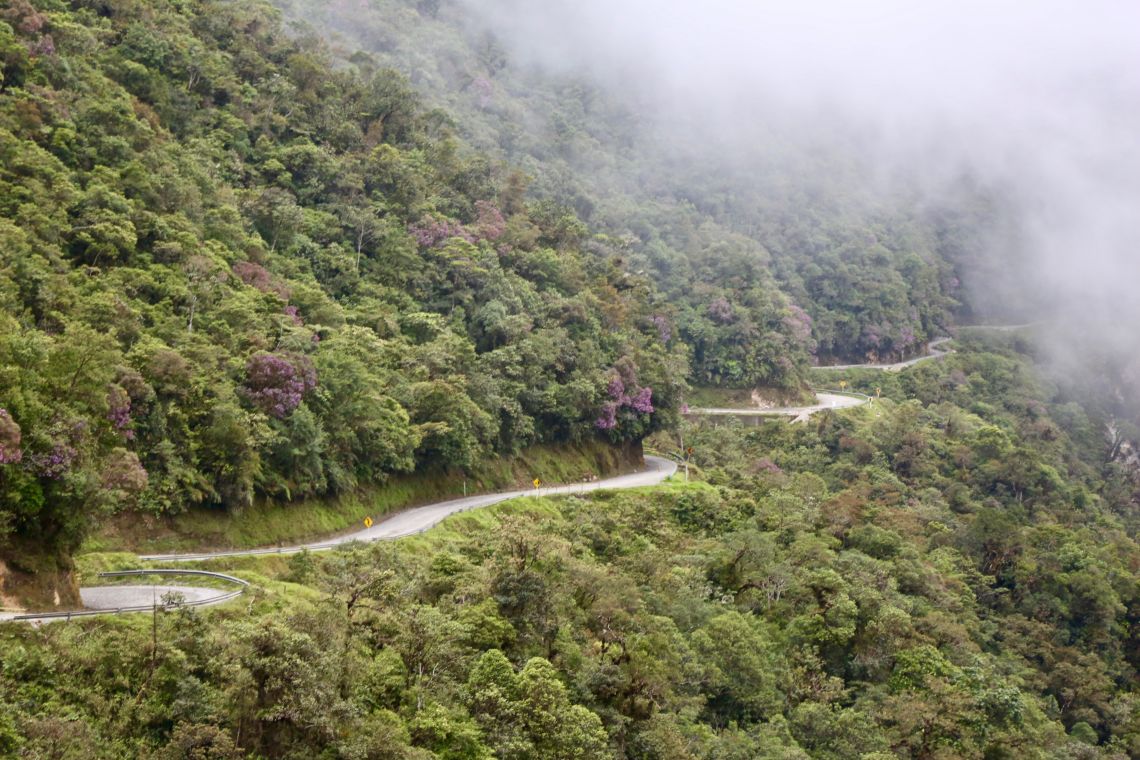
x=642 y=403
x=906 y=339
x=294 y=315
x=607 y=420
x=57 y=459
x=720 y=310
x=872 y=335
x=484 y=90
x=43 y=47
x=434 y=231
x=764 y=464
x=799 y=324
x=490 y=223
x=124 y=472
x=257 y=276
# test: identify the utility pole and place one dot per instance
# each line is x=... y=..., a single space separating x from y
x=153 y=628
x=684 y=452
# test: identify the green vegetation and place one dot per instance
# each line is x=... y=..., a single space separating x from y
x=765 y=257
x=233 y=273
x=267 y=523
x=947 y=574
x=240 y=269
x=254 y=287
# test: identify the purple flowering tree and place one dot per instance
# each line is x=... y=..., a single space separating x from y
x=119 y=410
x=433 y=232
x=55 y=459
x=294 y=315
x=721 y=311
x=624 y=395
x=607 y=420
x=799 y=325
x=484 y=91
x=276 y=383
x=642 y=402
x=490 y=223
x=872 y=335
x=906 y=340
x=257 y=276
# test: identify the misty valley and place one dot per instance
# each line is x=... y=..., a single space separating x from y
x=473 y=379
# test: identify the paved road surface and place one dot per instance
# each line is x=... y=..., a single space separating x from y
x=831 y=400
x=826 y=401
x=406 y=523
x=116 y=597
x=113 y=599
x=932 y=353
x=417 y=520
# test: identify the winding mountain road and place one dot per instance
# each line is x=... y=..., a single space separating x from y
x=111 y=600
x=115 y=599
x=419 y=519
x=825 y=401
x=932 y=352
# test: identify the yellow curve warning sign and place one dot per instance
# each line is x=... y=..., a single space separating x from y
x=367 y=522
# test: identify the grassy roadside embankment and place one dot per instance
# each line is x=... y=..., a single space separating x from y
x=269 y=523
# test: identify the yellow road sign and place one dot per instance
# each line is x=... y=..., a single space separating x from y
x=367 y=522
x=537 y=482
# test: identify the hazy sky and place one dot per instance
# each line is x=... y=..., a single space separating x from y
x=1040 y=97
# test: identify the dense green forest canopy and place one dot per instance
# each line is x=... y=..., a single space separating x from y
x=240 y=263
x=229 y=269
x=238 y=266
x=737 y=239
x=950 y=575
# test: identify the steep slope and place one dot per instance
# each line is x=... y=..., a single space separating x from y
x=230 y=270
x=770 y=248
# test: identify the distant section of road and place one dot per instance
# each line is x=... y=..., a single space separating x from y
x=932 y=353
x=1002 y=328
x=825 y=401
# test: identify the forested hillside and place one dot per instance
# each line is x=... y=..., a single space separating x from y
x=953 y=574
x=261 y=258
x=769 y=255
x=230 y=270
